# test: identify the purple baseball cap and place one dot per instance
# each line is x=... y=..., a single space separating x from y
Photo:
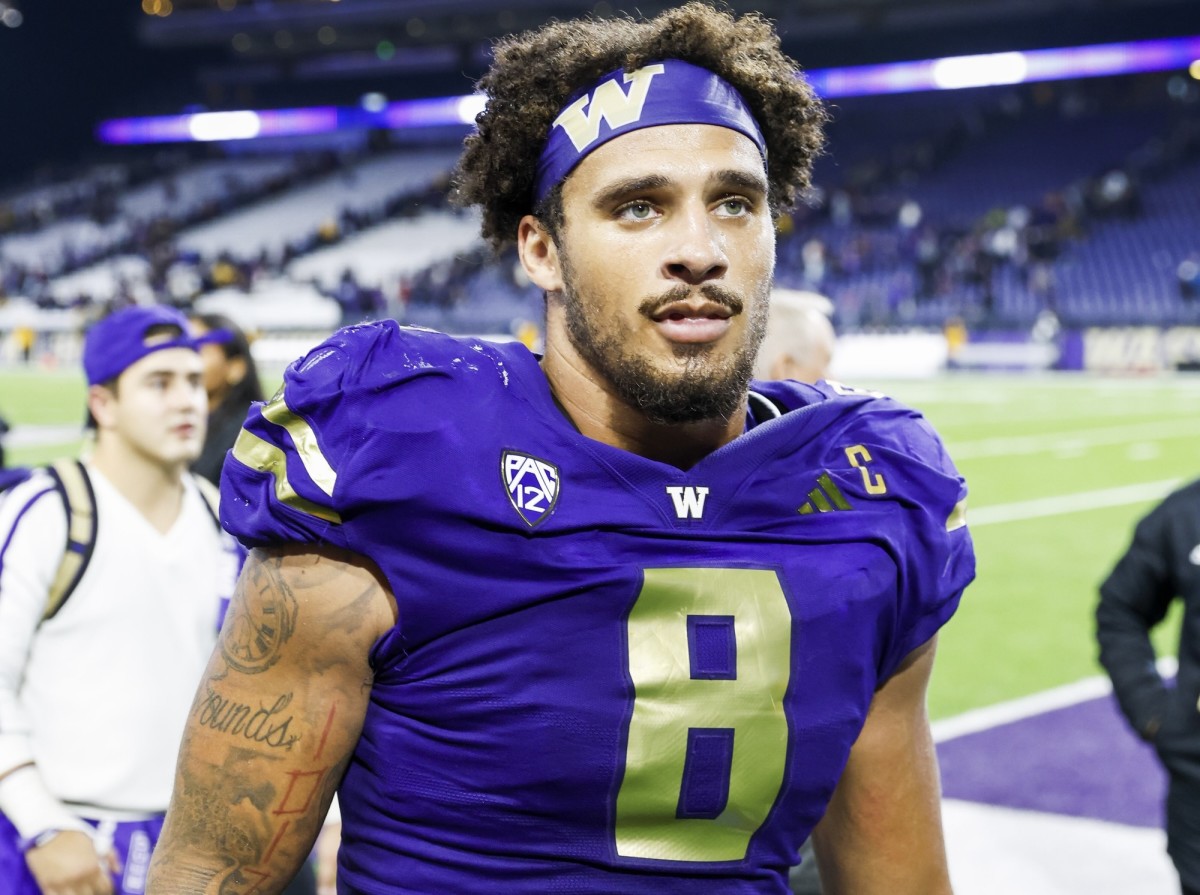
x=126 y=336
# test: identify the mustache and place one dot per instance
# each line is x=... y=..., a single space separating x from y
x=711 y=291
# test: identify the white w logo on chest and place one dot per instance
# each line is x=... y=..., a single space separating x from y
x=688 y=500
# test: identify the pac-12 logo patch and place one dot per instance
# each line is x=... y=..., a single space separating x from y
x=532 y=485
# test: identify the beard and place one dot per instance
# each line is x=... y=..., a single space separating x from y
x=692 y=383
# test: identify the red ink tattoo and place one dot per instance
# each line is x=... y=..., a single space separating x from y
x=262 y=878
x=275 y=842
x=325 y=732
x=302 y=789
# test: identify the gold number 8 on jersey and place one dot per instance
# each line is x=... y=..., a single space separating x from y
x=710 y=660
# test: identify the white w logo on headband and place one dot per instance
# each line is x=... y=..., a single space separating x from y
x=608 y=102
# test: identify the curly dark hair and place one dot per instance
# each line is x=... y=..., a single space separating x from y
x=535 y=73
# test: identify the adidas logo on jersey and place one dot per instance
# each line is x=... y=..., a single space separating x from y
x=688 y=500
x=824 y=498
x=532 y=485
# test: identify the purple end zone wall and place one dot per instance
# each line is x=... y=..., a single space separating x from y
x=1112 y=350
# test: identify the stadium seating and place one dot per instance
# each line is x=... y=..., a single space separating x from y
x=990 y=205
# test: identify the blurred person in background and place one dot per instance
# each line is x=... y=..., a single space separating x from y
x=1187 y=274
x=232 y=384
x=1160 y=566
x=800 y=338
x=96 y=680
x=798 y=344
x=609 y=620
x=26 y=338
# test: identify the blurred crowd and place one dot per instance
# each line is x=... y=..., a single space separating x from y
x=865 y=235
x=873 y=223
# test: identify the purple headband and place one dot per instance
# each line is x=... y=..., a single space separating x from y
x=668 y=92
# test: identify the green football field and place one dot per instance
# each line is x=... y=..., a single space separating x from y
x=1060 y=468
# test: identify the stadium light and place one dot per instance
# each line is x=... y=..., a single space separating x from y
x=217 y=126
x=957 y=72
x=470 y=106
x=10 y=16
x=1007 y=68
x=212 y=126
x=950 y=73
x=373 y=102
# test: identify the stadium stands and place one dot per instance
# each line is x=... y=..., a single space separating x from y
x=992 y=206
x=294 y=216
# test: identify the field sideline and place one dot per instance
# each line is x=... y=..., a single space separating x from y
x=1059 y=469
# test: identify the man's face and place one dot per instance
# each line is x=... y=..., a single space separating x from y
x=159 y=407
x=213 y=360
x=666 y=255
x=221 y=373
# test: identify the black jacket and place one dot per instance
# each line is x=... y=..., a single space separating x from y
x=224 y=426
x=1161 y=565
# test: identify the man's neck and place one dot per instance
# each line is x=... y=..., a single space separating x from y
x=155 y=489
x=588 y=401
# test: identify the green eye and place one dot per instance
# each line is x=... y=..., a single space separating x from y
x=639 y=210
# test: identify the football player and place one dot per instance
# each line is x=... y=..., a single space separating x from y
x=615 y=619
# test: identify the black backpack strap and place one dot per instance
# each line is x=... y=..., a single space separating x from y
x=73 y=484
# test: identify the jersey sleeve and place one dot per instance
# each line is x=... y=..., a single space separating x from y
x=890 y=453
x=290 y=477
x=330 y=447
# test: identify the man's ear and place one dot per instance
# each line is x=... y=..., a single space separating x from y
x=100 y=403
x=539 y=254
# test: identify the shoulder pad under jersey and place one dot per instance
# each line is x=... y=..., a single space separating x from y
x=305 y=457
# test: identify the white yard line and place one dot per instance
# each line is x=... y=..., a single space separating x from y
x=1038 y=444
x=990 y=716
x=39 y=436
x=1070 y=503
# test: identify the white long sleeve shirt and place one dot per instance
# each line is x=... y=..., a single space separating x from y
x=98 y=695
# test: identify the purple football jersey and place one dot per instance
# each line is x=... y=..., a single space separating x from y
x=609 y=675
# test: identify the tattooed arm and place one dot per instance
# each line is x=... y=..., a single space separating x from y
x=274 y=721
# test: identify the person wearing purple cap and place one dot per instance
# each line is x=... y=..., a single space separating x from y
x=614 y=619
x=232 y=383
x=95 y=687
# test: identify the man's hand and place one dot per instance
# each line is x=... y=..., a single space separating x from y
x=68 y=865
